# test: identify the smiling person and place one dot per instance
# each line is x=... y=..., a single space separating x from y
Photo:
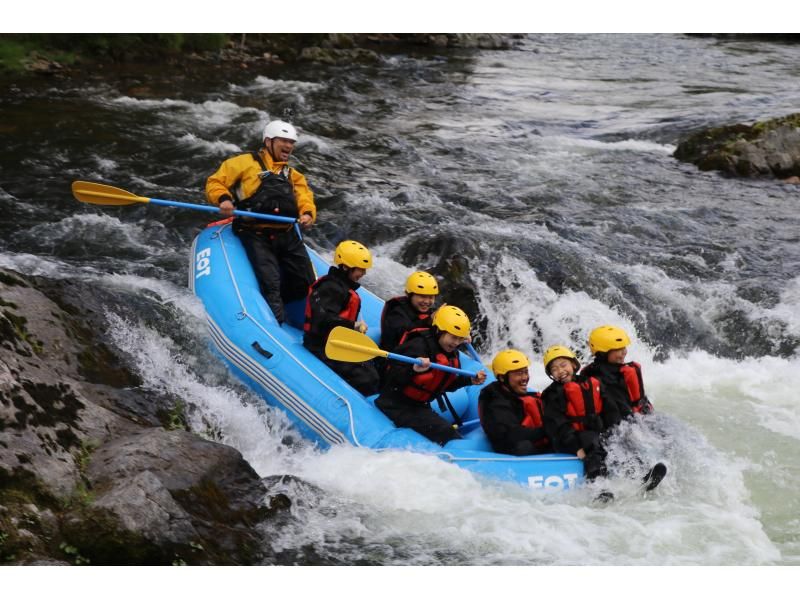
x=622 y=380
x=333 y=301
x=264 y=182
x=511 y=415
x=409 y=389
x=575 y=416
x=412 y=310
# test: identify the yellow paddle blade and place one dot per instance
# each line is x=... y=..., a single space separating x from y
x=104 y=195
x=345 y=344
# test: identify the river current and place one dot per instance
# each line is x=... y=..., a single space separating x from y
x=550 y=168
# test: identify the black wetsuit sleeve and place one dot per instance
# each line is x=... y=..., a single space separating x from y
x=395 y=323
x=501 y=417
x=327 y=300
x=398 y=373
x=556 y=423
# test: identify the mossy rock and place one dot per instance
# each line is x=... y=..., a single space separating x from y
x=765 y=148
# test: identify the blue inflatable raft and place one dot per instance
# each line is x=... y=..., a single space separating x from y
x=272 y=361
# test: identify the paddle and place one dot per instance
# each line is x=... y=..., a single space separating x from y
x=473 y=353
x=106 y=195
x=345 y=344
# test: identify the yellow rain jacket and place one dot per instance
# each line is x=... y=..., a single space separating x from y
x=238 y=178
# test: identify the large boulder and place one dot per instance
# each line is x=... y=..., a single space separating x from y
x=88 y=473
x=160 y=497
x=767 y=148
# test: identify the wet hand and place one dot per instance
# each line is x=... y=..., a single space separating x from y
x=305 y=221
x=480 y=377
x=426 y=365
x=226 y=208
x=581 y=454
x=360 y=326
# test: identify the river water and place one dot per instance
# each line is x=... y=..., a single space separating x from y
x=549 y=167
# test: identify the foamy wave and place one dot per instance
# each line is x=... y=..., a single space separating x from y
x=166 y=292
x=239 y=420
x=627 y=145
x=105 y=164
x=36 y=265
x=317 y=143
x=209 y=113
x=523 y=312
x=788 y=309
x=217 y=147
x=262 y=82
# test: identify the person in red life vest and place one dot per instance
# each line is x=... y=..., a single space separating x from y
x=409 y=389
x=414 y=310
x=263 y=182
x=333 y=301
x=622 y=381
x=511 y=415
x=574 y=413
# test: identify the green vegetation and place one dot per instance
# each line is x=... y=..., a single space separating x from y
x=21 y=333
x=18 y=50
x=175 y=417
x=74 y=554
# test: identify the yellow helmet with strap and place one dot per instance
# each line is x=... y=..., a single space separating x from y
x=453 y=320
x=509 y=360
x=556 y=351
x=352 y=254
x=607 y=338
x=422 y=283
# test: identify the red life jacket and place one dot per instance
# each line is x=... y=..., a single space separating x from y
x=632 y=374
x=532 y=404
x=348 y=312
x=584 y=404
x=426 y=386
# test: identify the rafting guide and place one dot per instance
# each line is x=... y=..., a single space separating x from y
x=262 y=181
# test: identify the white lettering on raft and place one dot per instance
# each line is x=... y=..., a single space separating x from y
x=202 y=263
x=553 y=482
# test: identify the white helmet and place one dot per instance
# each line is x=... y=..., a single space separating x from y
x=279 y=128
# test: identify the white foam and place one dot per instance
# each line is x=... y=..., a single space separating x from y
x=263 y=82
x=216 y=147
x=788 y=308
x=210 y=113
x=564 y=142
x=405 y=508
x=230 y=415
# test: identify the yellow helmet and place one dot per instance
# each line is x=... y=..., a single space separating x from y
x=509 y=360
x=422 y=283
x=556 y=351
x=607 y=338
x=451 y=319
x=353 y=255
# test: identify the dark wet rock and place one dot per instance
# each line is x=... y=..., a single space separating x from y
x=448 y=258
x=161 y=496
x=766 y=148
x=42 y=65
x=93 y=471
x=342 y=56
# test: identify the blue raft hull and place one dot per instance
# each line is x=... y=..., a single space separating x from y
x=272 y=361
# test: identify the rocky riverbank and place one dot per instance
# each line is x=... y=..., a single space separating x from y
x=56 y=54
x=94 y=471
